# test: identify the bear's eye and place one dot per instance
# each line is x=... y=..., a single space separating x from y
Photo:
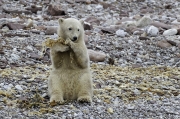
x=70 y=28
x=78 y=29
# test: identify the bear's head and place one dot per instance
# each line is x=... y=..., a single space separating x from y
x=71 y=28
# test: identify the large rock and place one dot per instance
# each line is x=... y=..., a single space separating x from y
x=170 y=32
x=34 y=8
x=96 y=56
x=87 y=26
x=163 y=44
x=50 y=30
x=15 y=26
x=56 y=10
x=160 y=24
x=92 y=20
x=110 y=29
x=144 y=21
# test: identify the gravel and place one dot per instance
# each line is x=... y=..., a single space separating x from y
x=140 y=77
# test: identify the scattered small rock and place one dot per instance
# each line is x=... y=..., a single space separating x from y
x=153 y=31
x=29 y=23
x=121 y=33
x=15 y=57
x=170 y=32
x=100 y=7
x=110 y=110
x=18 y=87
x=130 y=107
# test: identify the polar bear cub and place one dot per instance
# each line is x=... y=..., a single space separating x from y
x=70 y=78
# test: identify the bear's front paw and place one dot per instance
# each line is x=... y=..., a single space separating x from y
x=84 y=99
x=57 y=99
x=68 y=41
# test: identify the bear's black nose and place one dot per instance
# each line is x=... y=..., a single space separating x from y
x=74 y=38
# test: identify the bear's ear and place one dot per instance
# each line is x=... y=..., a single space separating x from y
x=82 y=22
x=60 y=20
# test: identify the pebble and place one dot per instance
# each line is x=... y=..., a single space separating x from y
x=136 y=92
x=130 y=41
x=144 y=21
x=153 y=31
x=158 y=54
x=110 y=110
x=44 y=95
x=44 y=86
x=116 y=102
x=1 y=84
x=5 y=29
x=29 y=48
x=8 y=87
x=171 y=60
x=100 y=7
x=42 y=33
x=163 y=44
x=70 y=10
x=29 y=23
x=29 y=80
x=18 y=87
x=89 y=7
x=130 y=106
x=170 y=32
x=23 y=51
x=173 y=49
x=18 y=96
x=175 y=22
x=121 y=33
x=139 y=60
x=15 y=57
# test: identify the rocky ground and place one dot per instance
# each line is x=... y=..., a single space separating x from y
x=134 y=47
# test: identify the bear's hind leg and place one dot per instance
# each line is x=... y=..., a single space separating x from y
x=54 y=89
x=85 y=92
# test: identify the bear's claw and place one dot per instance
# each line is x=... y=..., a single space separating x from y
x=56 y=99
x=84 y=99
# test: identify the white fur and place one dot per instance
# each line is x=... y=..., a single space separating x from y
x=70 y=78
